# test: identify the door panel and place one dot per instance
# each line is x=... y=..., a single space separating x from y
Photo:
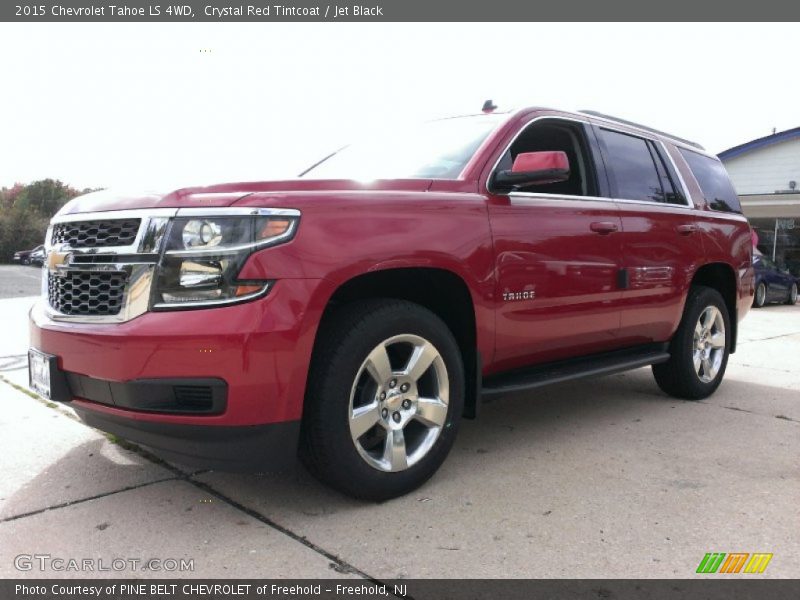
x=557 y=268
x=662 y=242
x=662 y=249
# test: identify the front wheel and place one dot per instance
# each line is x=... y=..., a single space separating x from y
x=385 y=397
x=699 y=349
x=792 y=299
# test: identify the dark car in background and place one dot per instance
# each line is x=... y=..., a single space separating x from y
x=30 y=257
x=772 y=283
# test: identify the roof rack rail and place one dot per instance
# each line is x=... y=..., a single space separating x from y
x=594 y=113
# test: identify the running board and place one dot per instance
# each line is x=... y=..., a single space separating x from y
x=575 y=368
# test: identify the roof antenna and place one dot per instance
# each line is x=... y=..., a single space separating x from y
x=488 y=106
x=774 y=129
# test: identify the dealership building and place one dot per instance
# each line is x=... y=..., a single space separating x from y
x=766 y=175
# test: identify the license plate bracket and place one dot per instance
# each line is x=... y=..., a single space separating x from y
x=45 y=378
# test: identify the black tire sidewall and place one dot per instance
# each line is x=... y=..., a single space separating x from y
x=347 y=470
x=683 y=343
x=756 y=303
x=789 y=301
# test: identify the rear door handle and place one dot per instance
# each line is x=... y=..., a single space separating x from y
x=603 y=227
x=687 y=229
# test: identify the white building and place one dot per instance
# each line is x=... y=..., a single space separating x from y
x=766 y=175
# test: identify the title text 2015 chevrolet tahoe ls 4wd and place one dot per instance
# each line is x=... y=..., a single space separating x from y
x=353 y=315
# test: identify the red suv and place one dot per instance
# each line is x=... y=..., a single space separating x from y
x=355 y=314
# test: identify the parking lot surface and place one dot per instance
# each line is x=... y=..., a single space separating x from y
x=18 y=281
x=604 y=478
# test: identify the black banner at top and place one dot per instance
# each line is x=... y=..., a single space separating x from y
x=372 y=11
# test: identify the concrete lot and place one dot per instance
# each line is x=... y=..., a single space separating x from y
x=18 y=281
x=602 y=478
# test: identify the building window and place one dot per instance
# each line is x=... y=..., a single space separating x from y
x=779 y=239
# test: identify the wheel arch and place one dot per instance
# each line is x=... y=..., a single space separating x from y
x=721 y=277
x=442 y=291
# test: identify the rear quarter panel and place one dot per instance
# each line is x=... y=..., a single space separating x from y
x=726 y=237
x=727 y=240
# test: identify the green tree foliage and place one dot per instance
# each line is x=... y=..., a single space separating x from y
x=25 y=211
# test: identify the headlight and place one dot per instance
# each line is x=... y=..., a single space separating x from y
x=204 y=254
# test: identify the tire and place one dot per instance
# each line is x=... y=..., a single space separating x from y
x=792 y=299
x=681 y=376
x=344 y=397
x=760 y=297
x=26 y=261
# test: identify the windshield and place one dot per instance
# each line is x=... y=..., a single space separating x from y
x=434 y=150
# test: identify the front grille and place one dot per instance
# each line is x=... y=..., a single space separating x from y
x=96 y=234
x=87 y=292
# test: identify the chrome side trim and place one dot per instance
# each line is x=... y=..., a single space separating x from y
x=525 y=198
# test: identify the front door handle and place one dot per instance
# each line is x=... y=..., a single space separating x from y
x=687 y=229
x=603 y=227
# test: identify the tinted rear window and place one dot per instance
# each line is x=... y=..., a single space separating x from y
x=632 y=166
x=714 y=181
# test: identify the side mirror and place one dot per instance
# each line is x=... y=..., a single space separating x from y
x=531 y=168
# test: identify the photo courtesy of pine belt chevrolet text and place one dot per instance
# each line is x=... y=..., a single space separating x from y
x=354 y=315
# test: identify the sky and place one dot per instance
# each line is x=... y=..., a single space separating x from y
x=161 y=106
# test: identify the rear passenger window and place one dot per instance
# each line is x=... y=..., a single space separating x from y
x=713 y=180
x=632 y=167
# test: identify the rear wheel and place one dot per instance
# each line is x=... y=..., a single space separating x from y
x=699 y=349
x=385 y=396
x=761 y=295
x=792 y=299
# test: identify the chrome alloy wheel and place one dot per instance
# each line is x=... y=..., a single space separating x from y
x=398 y=402
x=709 y=344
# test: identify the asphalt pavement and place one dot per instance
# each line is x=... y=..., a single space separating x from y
x=18 y=281
x=604 y=478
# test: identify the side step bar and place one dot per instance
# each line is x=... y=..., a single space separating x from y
x=575 y=368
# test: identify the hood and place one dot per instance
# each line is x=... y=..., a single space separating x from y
x=226 y=194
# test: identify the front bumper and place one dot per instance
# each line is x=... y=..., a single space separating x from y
x=260 y=350
x=245 y=448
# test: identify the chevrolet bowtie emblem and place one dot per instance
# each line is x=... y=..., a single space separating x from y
x=57 y=259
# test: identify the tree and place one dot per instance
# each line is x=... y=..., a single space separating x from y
x=26 y=210
x=45 y=197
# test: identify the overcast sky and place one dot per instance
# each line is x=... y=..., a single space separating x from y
x=165 y=105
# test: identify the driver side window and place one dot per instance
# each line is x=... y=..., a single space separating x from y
x=566 y=136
